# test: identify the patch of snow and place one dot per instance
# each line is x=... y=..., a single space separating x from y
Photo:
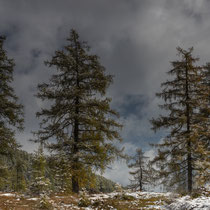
x=186 y=202
x=69 y=206
x=102 y=196
x=33 y=199
x=8 y=194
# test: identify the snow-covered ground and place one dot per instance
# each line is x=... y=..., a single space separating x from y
x=185 y=203
x=151 y=200
x=136 y=195
x=178 y=203
x=125 y=199
x=8 y=194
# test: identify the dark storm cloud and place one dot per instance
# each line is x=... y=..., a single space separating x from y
x=135 y=40
x=133 y=105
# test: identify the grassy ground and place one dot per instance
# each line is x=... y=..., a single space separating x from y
x=15 y=202
x=119 y=201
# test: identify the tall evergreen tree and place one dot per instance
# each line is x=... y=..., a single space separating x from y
x=203 y=130
x=206 y=84
x=139 y=170
x=80 y=118
x=184 y=96
x=11 y=113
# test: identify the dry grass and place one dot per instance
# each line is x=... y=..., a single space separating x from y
x=133 y=204
x=150 y=202
x=63 y=201
x=16 y=203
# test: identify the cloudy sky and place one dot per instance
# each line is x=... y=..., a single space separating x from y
x=135 y=39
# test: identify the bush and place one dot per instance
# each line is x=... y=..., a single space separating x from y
x=84 y=202
x=127 y=197
x=124 y=197
x=96 y=203
x=199 y=192
x=44 y=203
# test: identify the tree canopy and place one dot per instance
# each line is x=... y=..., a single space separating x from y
x=79 y=121
x=184 y=95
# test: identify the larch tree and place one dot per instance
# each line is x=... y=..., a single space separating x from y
x=202 y=130
x=11 y=112
x=79 y=122
x=140 y=172
x=206 y=84
x=184 y=96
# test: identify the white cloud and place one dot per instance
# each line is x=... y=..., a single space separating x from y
x=119 y=173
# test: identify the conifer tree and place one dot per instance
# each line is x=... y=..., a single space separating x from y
x=206 y=84
x=10 y=111
x=80 y=118
x=202 y=130
x=139 y=170
x=4 y=174
x=20 y=169
x=60 y=172
x=39 y=183
x=184 y=96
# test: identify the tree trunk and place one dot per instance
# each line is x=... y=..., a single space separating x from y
x=75 y=181
x=141 y=180
x=75 y=184
x=189 y=168
x=189 y=156
x=17 y=180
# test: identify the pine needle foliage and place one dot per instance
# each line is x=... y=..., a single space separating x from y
x=60 y=172
x=11 y=113
x=4 y=174
x=185 y=95
x=19 y=171
x=140 y=172
x=39 y=183
x=202 y=131
x=79 y=122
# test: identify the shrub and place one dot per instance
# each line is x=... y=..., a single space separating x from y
x=44 y=202
x=84 y=202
